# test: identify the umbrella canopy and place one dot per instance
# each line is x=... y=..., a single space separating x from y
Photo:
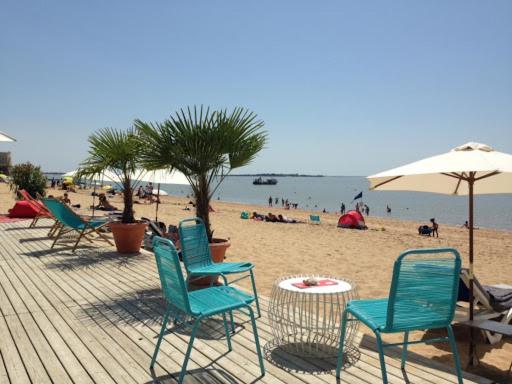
x=469 y=169
x=163 y=176
x=445 y=173
x=5 y=137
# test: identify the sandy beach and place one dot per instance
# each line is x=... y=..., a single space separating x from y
x=365 y=257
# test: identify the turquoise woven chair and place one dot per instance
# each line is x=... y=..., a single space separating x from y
x=197 y=305
x=423 y=295
x=198 y=262
x=70 y=221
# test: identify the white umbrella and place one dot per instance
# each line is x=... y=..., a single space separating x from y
x=469 y=169
x=5 y=137
x=162 y=176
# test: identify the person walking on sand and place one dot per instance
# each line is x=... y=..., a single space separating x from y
x=270 y=200
x=342 y=209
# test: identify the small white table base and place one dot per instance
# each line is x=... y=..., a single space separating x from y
x=307 y=322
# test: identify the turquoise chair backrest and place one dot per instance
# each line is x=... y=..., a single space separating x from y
x=171 y=276
x=195 y=248
x=424 y=289
x=62 y=213
x=314 y=218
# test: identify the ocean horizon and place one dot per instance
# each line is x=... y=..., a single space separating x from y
x=328 y=192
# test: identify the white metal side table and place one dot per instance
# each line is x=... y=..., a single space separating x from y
x=307 y=321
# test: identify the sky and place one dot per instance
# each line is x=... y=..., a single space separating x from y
x=344 y=87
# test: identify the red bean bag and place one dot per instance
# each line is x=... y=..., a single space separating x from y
x=23 y=209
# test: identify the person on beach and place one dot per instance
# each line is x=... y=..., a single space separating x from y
x=140 y=192
x=270 y=200
x=65 y=199
x=276 y=201
x=104 y=204
x=282 y=202
x=435 y=227
x=271 y=218
x=388 y=209
x=342 y=209
x=367 y=209
x=257 y=216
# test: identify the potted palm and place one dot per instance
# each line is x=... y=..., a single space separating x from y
x=118 y=152
x=205 y=145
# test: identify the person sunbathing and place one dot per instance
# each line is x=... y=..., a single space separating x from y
x=257 y=216
x=271 y=218
x=104 y=204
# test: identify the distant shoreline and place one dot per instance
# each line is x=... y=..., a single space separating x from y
x=277 y=175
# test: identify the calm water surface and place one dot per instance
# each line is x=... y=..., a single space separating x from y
x=317 y=193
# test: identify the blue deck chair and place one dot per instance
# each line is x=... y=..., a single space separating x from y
x=314 y=219
x=198 y=304
x=70 y=221
x=423 y=296
x=198 y=261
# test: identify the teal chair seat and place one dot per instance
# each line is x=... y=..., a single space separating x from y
x=197 y=304
x=422 y=296
x=223 y=268
x=203 y=300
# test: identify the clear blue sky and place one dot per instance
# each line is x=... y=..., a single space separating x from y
x=345 y=87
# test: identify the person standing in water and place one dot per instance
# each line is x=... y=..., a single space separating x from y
x=270 y=200
x=342 y=209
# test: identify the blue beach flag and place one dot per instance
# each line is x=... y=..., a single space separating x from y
x=358 y=196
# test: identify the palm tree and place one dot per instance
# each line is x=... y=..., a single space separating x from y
x=119 y=152
x=204 y=145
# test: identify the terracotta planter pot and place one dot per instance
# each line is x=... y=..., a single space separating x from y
x=218 y=250
x=128 y=237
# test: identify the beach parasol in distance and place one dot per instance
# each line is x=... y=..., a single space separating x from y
x=470 y=169
x=5 y=137
x=162 y=176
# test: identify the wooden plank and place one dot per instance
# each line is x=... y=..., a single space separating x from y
x=48 y=357
x=4 y=377
x=108 y=361
x=12 y=359
x=35 y=369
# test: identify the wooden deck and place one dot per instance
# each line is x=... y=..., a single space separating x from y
x=94 y=316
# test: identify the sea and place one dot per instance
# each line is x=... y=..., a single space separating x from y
x=328 y=192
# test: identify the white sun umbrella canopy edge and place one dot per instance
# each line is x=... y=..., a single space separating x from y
x=433 y=174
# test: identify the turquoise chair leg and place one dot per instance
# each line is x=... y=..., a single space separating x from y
x=231 y=318
x=381 y=358
x=57 y=237
x=160 y=337
x=404 y=349
x=228 y=336
x=255 y=294
x=339 y=364
x=189 y=349
x=256 y=340
x=453 y=345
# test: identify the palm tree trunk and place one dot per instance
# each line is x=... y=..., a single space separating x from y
x=128 y=203
x=203 y=204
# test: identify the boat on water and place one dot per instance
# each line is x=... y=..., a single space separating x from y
x=261 y=181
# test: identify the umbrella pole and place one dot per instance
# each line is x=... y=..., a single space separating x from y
x=472 y=355
x=157 y=202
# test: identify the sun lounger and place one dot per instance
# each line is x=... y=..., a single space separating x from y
x=491 y=303
x=314 y=219
x=42 y=211
x=70 y=221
